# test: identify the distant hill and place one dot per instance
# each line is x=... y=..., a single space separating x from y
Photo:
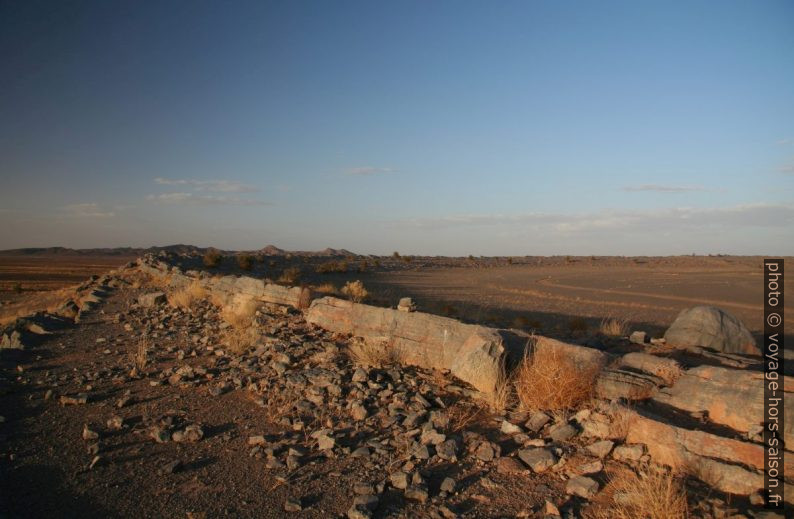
x=269 y=250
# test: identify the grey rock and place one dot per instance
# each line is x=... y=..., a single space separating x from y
x=593 y=467
x=582 y=486
x=417 y=494
x=510 y=428
x=601 y=449
x=360 y=375
x=448 y=485
x=628 y=452
x=711 y=327
x=361 y=452
x=447 y=450
x=89 y=434
x=638 y=337
x=191 y=433
x=486 y=451
x=562 y=432
x=152 y=299
x=537 y=421
x=292 y=505
x=171 y=467
x=399 y=480
x=539 y=459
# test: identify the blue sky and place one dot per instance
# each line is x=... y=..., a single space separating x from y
x=456 y=128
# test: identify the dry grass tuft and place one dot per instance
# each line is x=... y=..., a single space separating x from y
x=464 y=415
x=503 y=396
x=614 y=327
x=371 y=354
x=326 y=288
x=549 y=380
x=185 y=297
x=141 y=356
x=355 y=291
x=241 y=334
x=653 y=493
x=290 y=276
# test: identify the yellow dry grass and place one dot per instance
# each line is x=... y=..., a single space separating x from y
x=29 y=303
x=372 y=354
x=612 y=327
x=241 y=334
x=326 y=288
x=652 y=493
x=465 y=415
x=185 y=297
x=547 y=379
x=355 y=291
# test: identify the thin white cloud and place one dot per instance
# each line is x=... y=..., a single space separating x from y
x=671 y=219
x=662 y=188
x=194 y=199
x=88 y=210
x=785 y=142
x=212 y=186
x=788 y=168
x=368 y=170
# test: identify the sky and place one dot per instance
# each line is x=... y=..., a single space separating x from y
x=432 y=128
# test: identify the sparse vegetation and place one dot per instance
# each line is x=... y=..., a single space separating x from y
x=212 y=258
x=290 y=276
x=464 y=415
x=241 y=334
x=371 y=354
x=355 y=291
x=245 y=262
x=503 y=396
x=652 y=493
x=17 y=288
x=547 y=379
x=331 y=267
x=185 y=297
x=141 y=356
x=326 y=288
x=614 y=327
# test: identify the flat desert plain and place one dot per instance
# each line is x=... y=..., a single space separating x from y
x=560 y=296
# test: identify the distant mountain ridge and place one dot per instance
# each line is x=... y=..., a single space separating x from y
x=269 y=250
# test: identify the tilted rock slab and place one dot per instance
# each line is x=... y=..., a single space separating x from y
x=731 y=397
x=726 y=464
x=472 y=353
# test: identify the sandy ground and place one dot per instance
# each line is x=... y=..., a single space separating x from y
x=647 y=293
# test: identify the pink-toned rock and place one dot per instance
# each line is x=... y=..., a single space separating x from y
x=726 y=464
x=730 y=397
x=666 y=369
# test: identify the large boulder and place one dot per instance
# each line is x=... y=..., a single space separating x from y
x=472 y=353
x=713 y=328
